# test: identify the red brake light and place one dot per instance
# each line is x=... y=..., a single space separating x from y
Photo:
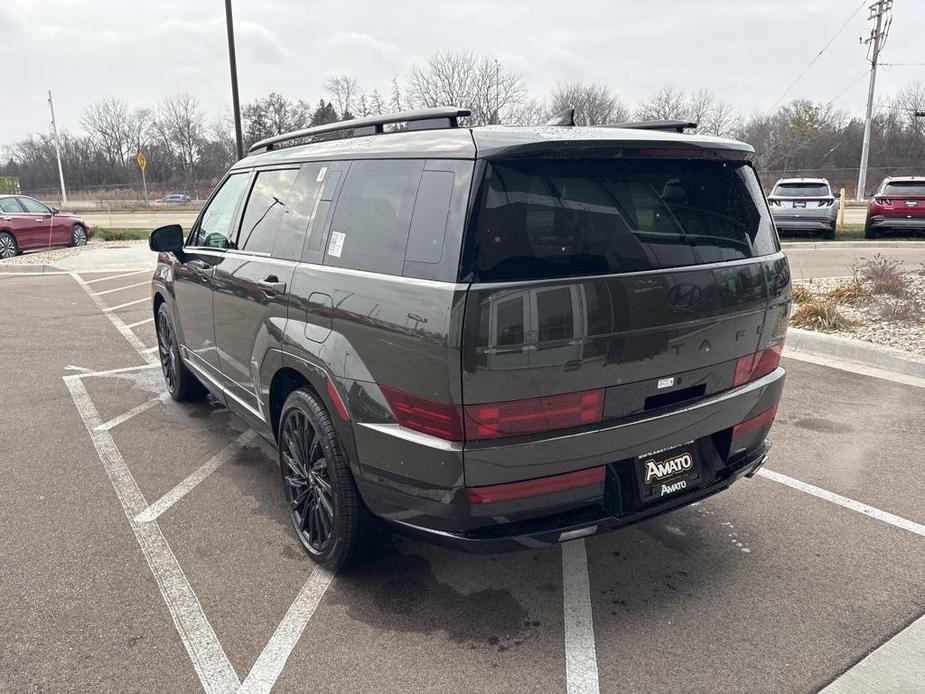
x=671 y=152
x=434 y=418
x=753 y=423
x=532 y=415
x=537 y=487
x=756 y=365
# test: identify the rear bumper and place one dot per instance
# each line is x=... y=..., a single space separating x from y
x=444 y=515
x=883 y=222
x=804 y=224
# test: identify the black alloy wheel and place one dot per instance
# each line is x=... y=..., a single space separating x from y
x=180 y=382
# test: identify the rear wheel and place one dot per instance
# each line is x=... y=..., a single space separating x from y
x=78 y=235
x=181 y=383
x=8 y=247
x=869 y=232
x=324 y=505
x=829 y=234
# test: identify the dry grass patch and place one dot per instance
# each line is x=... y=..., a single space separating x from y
x=801 y=293
x=819 y=314
x=851 y=292
x=883 y=275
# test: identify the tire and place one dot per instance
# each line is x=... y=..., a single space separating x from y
x=829 y=234
x=181 y=383
x=8 y=247
x=78 y=235
x=327 y=514
x=869 y=233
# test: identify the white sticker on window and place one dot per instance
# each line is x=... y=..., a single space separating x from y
x=324 y=170
x=337 y=243
x=665 y=382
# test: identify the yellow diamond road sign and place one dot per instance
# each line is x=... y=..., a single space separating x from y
x=142 y=163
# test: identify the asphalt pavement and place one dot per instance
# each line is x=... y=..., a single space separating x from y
x=145 y=546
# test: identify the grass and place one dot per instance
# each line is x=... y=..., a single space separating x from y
x=822 y=315
x=850 y=232
x=119 y=234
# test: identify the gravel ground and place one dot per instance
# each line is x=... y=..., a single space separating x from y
x=55 y=254
x=871 y=319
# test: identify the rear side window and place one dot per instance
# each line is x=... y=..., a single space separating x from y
x=802 y=190
x=905 y=187
x=373 y=216
x=297 y=216
x=265 y=206
x=546 y=218
x=10 y=206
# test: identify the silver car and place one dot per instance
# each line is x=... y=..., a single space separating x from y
x=804 y=204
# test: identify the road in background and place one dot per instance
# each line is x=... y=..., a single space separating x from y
x=818 y=261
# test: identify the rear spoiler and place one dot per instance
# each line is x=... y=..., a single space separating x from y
x=672 y=126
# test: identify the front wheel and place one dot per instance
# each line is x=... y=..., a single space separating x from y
x=78 y=236
x=8 y=247
x=181 y=383
x=324 y=505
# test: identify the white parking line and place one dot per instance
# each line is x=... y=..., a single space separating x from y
x=149 y=350
x=127 y=304
x=115 y=277
x=273 y=658
x=117 y=322
x=119 y=289
x=112 y=372
x=116 y=421
x=204 y=649
x=141 y=322
x=186 y=486
x=580 y=656
x=899 y=522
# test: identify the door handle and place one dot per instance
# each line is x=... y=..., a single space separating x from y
x=271 y=285
x=198 y=264
x=7 y=219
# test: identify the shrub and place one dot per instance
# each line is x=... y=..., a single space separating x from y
x=884 y=275
x=849 y=293
x=822 y=315
x=801 y=293
x=893 y=309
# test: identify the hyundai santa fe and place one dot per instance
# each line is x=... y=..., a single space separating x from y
x=491 y=337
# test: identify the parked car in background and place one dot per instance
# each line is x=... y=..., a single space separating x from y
x=174 y=198
x=804 y=204
x=27 y=224
x=898 y=205
x=494 y=338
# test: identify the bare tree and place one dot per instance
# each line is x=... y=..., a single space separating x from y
x=181 y=126
x=594 y=104
x=909 y=101
x=528 y=112
x=343 y=89
x=273 y=115
x=395 y=102
x=376 y=106
x=107 y=123
x=667 y=104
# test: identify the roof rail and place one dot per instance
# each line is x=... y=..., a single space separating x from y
x=424 y=119
x=674 y=126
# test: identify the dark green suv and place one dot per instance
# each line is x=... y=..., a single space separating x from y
x=493 y=337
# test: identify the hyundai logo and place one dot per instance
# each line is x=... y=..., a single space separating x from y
x=684 y=296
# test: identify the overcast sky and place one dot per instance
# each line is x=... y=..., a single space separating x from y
x=746 y=51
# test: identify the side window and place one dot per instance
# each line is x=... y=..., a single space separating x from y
x=215 y=226
x=10 y=206
x=265 y=206
x=299 y=210
x=34 y=206
x=373 y=216
x=428 y=223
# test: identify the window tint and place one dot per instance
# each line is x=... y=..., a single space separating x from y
x=10 y=206
x=264 y=208
x=373 y=216
x=565 y=218
x=297 y=215
x=905 y=188
x=554 y=314
x=428 y=223
x=215 y=226
x=34 y=206
x=802 y=190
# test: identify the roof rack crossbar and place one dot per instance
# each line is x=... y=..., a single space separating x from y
x=441 y=116
x=674 y=126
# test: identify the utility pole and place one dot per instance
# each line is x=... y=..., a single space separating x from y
x=54 y=128
x=236 y=105
x=880 y=11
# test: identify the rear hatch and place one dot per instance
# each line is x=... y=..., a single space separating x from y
x=904 y=199
x=802 y=199
x=609 y=288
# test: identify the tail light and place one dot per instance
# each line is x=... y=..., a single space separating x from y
x=756 y=365
x=494 y=420
x=537 y=487
x=754 y=423
x=533 y=415
x=434 y=418
x=826 y=203
x=883 y=201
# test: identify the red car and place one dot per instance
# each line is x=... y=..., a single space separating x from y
x=898 y=205
x=27 y=224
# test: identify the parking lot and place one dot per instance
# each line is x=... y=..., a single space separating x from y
x=146 y=547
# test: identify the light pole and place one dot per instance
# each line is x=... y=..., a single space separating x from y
x=54 y=128
x=235 y=104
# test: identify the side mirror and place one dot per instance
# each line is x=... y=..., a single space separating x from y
x=837 y=194
x=166 y=239
x=55 y=210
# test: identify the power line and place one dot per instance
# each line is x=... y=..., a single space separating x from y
x=817 y=56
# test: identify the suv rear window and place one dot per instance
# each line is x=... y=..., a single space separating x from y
x=905 y=188
x=802 y=190
x=546 y=218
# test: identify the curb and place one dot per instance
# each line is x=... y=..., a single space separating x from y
x=852 y=350
x=20 y=268
x=874 y=243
